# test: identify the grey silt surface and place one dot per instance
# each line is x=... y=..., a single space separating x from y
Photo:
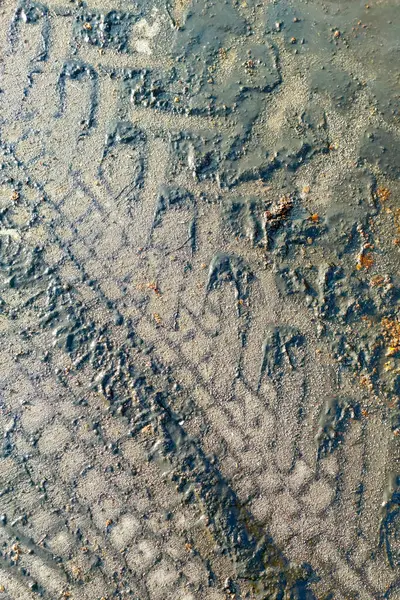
x=199 y=300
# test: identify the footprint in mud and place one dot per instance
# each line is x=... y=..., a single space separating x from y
x=121 y=169
x=225 y=309
x=23 y=62
x=263 y=383
x=31 y=13
x=77 y=72
x=279 y=352
x=173 y=244
x=77 y=89
x=334 y=420
x=283 y=357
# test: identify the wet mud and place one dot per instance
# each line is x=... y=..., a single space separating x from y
x=199 y=251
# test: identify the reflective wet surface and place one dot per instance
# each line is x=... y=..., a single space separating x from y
x=199 y=300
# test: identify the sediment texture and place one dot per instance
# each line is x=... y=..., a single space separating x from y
x=199 y=293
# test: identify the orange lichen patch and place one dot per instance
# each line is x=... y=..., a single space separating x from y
x=391 y=333
x=314 y=218
x=77 y=572
x=15 y=196
x=157 y=318
x=155 y=288
x=149 y=286
x=391 y=328
x=383 y=194
x=148 y=429
x=392 y=351
x=377 y=280
x=365 y=381
x=16 y=548
x=285 y=203
x=368 y=322
x=396 y=217
x=279 y=211
x=250 y=64
x=365 y=261
x=87 y=26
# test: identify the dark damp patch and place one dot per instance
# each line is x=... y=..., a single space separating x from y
x=192 y=87
x=340 y=86
x=334 y=29
x=105 y=30
x=206 y=29
x=123 y=132
x=382 y=148
x=201 y=153
x=31 y=12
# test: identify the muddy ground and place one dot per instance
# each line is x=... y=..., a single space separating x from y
x=199 y=300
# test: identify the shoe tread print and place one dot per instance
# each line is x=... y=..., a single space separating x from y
x=151 y=338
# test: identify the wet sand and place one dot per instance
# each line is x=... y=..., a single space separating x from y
x=199 y=300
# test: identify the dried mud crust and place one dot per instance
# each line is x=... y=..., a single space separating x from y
x=199 y=295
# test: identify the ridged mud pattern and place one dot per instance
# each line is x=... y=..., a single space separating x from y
x=199 y=296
